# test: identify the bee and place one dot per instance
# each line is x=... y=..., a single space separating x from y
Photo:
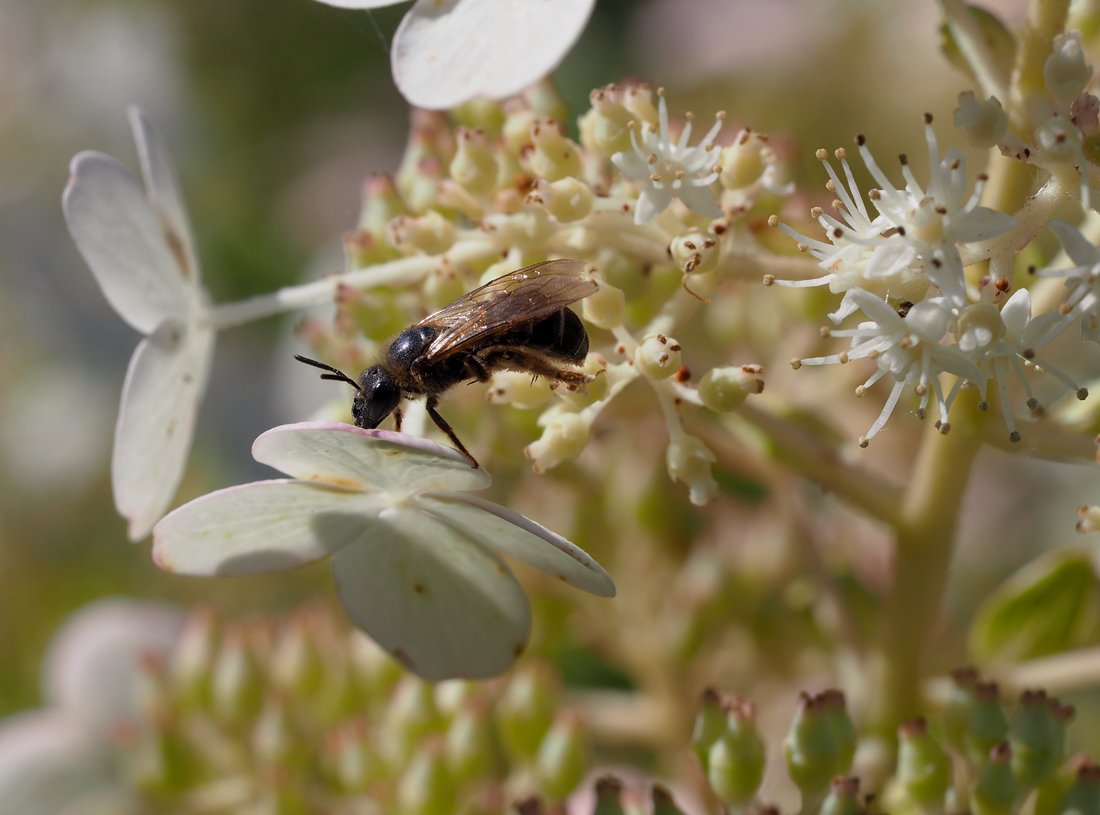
x=517 y=322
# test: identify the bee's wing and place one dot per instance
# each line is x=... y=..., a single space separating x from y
x=525 y=294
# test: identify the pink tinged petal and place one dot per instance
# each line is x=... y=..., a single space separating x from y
x=512 y=534
x=439 y=602
x=1079 y=249
x=160 y=398
x=347 y=456
x=120 y=236
x=446 y=52
x=980 y=224
x=261 y=527
x=93 y=668
x=49 y=763
x=164 y=193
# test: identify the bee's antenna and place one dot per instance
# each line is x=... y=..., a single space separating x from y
x=333 y=373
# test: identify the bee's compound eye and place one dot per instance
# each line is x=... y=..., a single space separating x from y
x=378 y=397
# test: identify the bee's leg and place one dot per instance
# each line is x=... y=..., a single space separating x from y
x=477 y=369
x=441 y=423
x=397 y=419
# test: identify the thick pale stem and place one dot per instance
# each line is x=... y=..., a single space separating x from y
x=1045 y=20
x=925 y=542
x=974 y=48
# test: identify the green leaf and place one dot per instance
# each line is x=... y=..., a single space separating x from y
x=1050 y=605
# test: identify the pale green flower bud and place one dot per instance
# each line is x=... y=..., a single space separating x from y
x=924 y=769
x=843 y=797
x=237 y=683
x=381 y=204
x=974 y=721
x=595 y=367
x=518 y=121
x=554 y=157
x=442 y=286
x=562 y=758
x=192 y=662
x=411 y=716
x=1065 y=72
x=296 y=664
x=1060 y=137
x=819 y=745
x=375 y=672
x=426 y=786
x=710 y=724
x=995 y=790
x=473 y=751
x=1083 y=796
x=743 y=162
x=350 y=760
x=430 y=233
x=1038 y=738
x=526 y=711
x=606 y=307
x=695 y=253
x=425 y=161
x=545 y=99
x=609 y=791
x=368 y=314
x=481 y=113
x=983 y=122
x=735 y=763
x=568 y=199
x=658 y=356
x=519 y=389
x=725 y=389
x=689 y=461
x=638 y=99
x=275 y=741
x=605 y=128
x=564 y=437
x=662 y=801
x=474 y=168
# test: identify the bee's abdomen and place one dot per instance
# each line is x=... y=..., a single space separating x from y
x=560 y=334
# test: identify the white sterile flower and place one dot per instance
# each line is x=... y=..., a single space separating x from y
x=936 y=218
x=417 y=563
x=907 y=348
x=138 y=245
x=446 y=52
x=668 y=169
x=1082 y=280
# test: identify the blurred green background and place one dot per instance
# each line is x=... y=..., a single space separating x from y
x=276 y=112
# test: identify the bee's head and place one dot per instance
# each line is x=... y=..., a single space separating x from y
x=377 y=398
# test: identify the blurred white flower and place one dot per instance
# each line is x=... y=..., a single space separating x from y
x=139 y=247
x=1082 y=280
x=416 y=562
x=446 y=52
x=58 y=758
x=668 y=169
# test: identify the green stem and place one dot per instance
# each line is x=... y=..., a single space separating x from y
x=925 y=542
x=1045 y=20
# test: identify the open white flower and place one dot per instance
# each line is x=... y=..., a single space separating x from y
x=1082 y=281
x=446 y=52
x=668 y=169
x=905 y=347
x=139 y=247
x=417 y=563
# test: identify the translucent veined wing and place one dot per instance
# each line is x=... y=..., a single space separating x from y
x=526 y=294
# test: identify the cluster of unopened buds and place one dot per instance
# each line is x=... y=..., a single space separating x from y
x=638 y=201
